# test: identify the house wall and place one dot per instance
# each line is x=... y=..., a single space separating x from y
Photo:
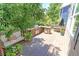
x=71 y=51
x=69 y=36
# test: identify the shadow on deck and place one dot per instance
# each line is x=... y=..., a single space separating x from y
x=39 y=48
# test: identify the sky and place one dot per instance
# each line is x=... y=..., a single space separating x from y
x=45 y=5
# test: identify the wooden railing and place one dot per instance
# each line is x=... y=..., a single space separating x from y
x=40 y=29
x=36 y=31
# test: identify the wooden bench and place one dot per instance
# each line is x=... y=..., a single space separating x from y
x=57 y=28
x=47 y=29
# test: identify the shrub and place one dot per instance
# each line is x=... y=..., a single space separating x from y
x=13 y=50
x=28 y=36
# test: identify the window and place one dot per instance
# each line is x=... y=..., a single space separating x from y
x=76 y=18
x=73 y=9
x=77 y=9
x=76 y=23
x=65 y=13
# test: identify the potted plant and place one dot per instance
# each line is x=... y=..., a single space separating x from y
x=62 y=31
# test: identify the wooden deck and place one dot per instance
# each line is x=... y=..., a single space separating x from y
x=47 y=45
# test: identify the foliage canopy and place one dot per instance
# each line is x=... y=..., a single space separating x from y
x=20 y=16
x=53 y=12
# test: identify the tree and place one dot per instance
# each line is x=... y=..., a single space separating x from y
x=53 y=12
x=20 y=16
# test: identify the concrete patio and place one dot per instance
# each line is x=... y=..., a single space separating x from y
x=47 y=45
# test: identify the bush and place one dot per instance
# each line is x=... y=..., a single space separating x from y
x=28 y=36
x=13 y=50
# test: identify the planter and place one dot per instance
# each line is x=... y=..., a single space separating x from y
x=62 y=31
x=12 y=38
x=3 y=38
x=16 y=34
